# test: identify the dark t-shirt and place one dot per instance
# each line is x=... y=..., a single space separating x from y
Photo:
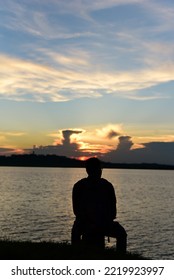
x=94 y=201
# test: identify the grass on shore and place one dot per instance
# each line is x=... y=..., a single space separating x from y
x=26 y=250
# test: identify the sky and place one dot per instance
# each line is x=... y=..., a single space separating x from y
x=85 y=78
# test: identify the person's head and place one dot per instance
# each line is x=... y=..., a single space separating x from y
x=93 y=167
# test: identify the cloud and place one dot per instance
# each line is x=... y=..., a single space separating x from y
x=66 y=148
x=9 y=138
x=9 y=151
x=109 y=143
x=67 y=134
x=125 y=143
x=163 y=12
x=67 y=59
x=6 y=151
x=44 y=21
x=132 y=59
x=109 y=131
x=125 y=151
x=82 y=7
x=71 y=143
x=13 y=133
x=28 y=81
x=112 y=134
x=152 y=152
x=41 y=21
x=23 y=80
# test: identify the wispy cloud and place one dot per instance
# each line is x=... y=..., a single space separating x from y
x=43 y=18
x=12 y=133
x=122 y=61
x=8 y=142
x=37 y=21
x=109 y=131
x=162 y=12
x=23 y=80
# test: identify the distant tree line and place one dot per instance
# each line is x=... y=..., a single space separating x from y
x=34 y=160
x=39 y=161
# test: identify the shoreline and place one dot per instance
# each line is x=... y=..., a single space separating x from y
x=33 y=160
x=27 y=250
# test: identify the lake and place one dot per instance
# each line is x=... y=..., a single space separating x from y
x=35 y=204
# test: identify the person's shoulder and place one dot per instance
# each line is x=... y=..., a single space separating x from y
x=106 y=183
x=80 y=183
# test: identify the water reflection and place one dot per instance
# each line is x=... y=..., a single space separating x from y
x=35 y=204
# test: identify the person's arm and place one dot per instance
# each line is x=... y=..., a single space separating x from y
x=75 y=200
x=113 y=203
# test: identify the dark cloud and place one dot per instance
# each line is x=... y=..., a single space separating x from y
x=67 y=134
x=65 y=149
x=125 y=143
x=122 y=151
x=152 y=152
x=112 y=134
x=157 y=152
x=6 y=151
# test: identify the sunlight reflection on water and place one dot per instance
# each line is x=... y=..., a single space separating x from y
x=35 y=204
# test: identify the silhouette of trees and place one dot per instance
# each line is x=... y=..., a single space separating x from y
x=62 y=161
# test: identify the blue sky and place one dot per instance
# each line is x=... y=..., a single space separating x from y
x=92 y=67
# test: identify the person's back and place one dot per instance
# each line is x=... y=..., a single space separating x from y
x=94 y=202
x=94 y=205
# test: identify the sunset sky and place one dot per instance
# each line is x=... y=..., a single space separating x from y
x=88 y=77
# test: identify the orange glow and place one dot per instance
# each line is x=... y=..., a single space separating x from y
x=83 y=158
x=18 y=151
x=94 y=148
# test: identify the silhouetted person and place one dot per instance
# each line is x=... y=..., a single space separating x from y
x=94 y=205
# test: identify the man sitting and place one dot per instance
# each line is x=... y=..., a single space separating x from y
x=94 y=205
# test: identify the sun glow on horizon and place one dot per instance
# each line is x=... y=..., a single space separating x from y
x=83 y=158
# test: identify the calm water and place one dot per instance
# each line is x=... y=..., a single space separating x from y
x=35 y=204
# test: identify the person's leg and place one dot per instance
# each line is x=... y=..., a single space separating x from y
x=118 y=231
x=76 y=234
